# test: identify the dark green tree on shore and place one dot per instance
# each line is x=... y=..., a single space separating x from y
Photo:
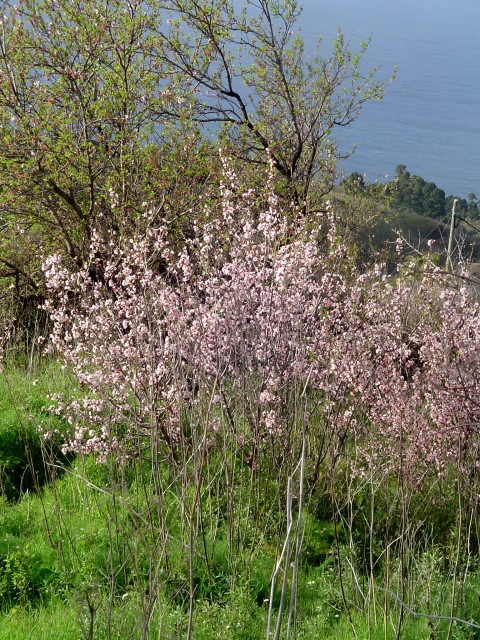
x=413 y=192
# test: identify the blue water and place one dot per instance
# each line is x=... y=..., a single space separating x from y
x=429 y=119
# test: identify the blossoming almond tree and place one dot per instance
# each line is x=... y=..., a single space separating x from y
x=259 y=330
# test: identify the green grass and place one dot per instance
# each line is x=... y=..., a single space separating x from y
x=58 y=621
x=84 y=553
x=24 y=414
x=98 y=545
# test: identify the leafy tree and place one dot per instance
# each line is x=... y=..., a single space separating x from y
x=103 y=105
x=82 y=137
x=433 y=201
x=400 y=184
x=354 y=183
x=249 y=73
x=473 y=209
x=414 y=195
x=76 y=93
x=413 y=192
x=461 y=207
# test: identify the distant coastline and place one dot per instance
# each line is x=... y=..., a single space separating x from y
x=429 y=118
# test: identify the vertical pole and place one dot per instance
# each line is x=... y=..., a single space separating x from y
x=450 y=237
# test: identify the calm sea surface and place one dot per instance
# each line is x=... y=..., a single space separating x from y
x=429 y=119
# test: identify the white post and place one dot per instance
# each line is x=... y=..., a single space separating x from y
x=450 y=237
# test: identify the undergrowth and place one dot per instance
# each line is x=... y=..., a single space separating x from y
x=98 y=551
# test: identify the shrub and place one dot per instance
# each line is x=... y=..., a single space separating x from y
x=261 y=330
x=26 y=576
x=27 y=461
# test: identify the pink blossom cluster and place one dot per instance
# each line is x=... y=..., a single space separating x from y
x=260 y=327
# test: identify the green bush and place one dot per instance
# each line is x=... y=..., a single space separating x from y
x=27 y=576
x=24 y=457
x=27 y=460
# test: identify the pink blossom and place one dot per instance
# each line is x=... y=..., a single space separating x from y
x=273 y=324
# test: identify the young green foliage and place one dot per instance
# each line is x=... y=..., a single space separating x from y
x=249 y=72
x=102 y=105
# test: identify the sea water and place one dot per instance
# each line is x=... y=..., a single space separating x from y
x=429 y=119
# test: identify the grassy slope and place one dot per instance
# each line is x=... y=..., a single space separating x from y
x=418 y=229
x=387 y=223
x=60 y=549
